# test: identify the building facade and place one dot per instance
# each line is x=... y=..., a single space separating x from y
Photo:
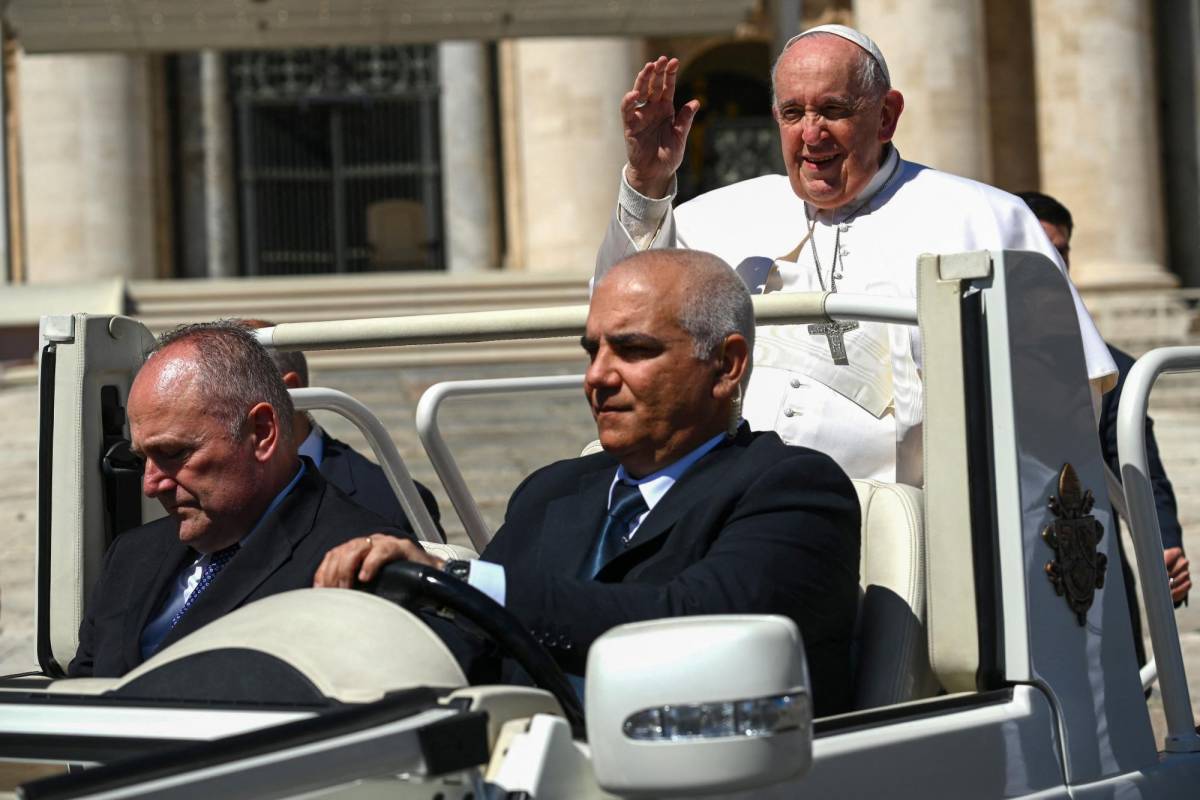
x=472 y=156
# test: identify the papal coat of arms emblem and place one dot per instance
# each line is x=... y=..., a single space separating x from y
x=1077 y=570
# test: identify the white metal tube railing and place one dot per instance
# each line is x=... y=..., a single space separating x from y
x=542 y=323
x=385 y=452
x=774 y=308
x=1147 y=540
x=532 y=323
x=862 y=307
x=1116 y=498
x=439 y=454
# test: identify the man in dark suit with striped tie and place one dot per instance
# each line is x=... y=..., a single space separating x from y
x=686 y=511
x=246 y=516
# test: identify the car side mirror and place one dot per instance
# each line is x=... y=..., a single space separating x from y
x=698 y=705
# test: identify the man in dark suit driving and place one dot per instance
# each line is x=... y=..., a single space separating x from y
x=246 y=517
x=686 y=511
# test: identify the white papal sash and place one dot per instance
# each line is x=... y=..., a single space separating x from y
x=866 y=380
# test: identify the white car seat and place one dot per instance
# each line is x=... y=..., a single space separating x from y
x=892 y=655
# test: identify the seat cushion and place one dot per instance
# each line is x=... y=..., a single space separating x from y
x=892 y=660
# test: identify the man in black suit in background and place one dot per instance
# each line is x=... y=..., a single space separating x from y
x=361 y=479
x=687 y=511
x=246 y=517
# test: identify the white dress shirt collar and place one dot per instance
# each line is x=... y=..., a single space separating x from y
x=655 y=485
x=313 y=445
x=189 y=578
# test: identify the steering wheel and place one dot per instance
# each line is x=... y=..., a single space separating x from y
x=409 y=584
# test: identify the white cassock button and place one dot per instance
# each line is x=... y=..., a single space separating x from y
x=795 y=383
x=845 y=251
x=791 y=412
x=845 y=226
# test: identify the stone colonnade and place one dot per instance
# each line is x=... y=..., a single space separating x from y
x=470 y=197
x=1097 y=146
x=560 y=147
x=89 y=176
x=563 y=146
x=531 y=154
x=1098 y=135
x=87 y=167
x=933 y=50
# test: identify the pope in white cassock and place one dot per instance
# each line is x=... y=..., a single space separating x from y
x=850 y=216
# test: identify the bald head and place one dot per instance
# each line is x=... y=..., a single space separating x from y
x=229 y=367
x=210 y=418
x=705 y=296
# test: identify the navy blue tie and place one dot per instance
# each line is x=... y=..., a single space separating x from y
x=627 y=505
x=211 y=570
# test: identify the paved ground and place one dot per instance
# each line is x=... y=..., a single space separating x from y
x=501 y=440
x=18 y=438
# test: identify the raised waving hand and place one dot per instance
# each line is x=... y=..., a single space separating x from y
x=655 y=133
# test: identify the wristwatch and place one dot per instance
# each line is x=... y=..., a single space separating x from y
x=458 y=569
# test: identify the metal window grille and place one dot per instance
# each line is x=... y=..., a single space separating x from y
x=338 y=160
x=731 y=149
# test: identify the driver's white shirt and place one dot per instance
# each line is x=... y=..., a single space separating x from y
x=488 y=577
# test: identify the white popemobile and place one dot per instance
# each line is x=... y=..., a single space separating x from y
x=993 y=651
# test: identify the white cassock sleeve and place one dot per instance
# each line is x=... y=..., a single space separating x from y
x=639 y=223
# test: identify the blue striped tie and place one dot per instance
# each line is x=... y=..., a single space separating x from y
x=215 y=564
x=627 y=505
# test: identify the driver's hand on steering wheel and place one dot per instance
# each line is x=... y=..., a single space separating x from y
x=360 y=559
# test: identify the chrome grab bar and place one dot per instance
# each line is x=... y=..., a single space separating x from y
x=1147 y=542
x=384 y=448
x=439 y=454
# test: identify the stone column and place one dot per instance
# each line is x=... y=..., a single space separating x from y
x=87 y=168
x=220 y=206
x=937 y=57
x=1011 y=90
x=1177 y=41
x=564 y=147
x=469 y=194
x=9 y=266
x=1098 y=136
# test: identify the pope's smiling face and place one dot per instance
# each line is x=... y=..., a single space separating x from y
x=833 y=133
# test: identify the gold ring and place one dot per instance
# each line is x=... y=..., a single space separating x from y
x=369 y=542
x=641 y=103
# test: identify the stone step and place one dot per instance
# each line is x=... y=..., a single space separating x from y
x=162 y=305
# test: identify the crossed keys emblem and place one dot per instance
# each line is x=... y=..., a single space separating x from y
x=1077 y=570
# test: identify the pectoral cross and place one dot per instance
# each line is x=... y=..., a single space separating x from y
x=835 y=332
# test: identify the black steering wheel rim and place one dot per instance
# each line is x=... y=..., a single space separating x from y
x=404 y=582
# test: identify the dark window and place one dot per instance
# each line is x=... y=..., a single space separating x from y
x=338 y=162
x=734 y=136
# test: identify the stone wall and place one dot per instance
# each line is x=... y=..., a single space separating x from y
x=87 y=167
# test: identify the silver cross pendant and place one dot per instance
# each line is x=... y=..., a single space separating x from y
x=835 y=332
